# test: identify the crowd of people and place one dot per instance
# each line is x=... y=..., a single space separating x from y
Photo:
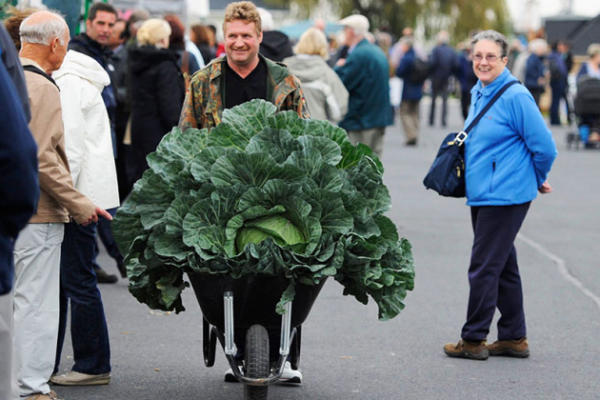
x=97 y=104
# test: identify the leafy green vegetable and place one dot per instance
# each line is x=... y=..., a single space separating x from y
x=264 y=193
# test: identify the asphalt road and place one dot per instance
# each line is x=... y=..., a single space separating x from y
x=348 y=354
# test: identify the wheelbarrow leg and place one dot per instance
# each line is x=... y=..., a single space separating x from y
x=209 y=342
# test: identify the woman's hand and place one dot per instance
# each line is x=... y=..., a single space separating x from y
x=545 y=188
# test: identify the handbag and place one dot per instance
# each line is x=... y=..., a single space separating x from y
x=447 y=173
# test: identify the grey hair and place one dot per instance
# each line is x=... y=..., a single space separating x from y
x=43 y=31
x=492 y=36
x=538 y=45
x=443 y=37
x=407 y=40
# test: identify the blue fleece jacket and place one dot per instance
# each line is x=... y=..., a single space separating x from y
x=509 y=153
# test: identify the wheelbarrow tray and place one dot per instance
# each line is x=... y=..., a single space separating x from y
x=255 y=299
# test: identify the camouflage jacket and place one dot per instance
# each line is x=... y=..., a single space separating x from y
x=203 y=105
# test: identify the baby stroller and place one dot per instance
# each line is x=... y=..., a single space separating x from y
x=587 y=112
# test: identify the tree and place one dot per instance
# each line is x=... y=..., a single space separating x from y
x=459 y=17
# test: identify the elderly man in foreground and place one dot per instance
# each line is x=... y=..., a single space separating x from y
x=44 y=37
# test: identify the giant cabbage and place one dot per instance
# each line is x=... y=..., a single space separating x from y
x=264 y=193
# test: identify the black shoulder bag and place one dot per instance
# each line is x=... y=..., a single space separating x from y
x=447 y=173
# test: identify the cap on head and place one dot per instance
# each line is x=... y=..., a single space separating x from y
x=358 y=22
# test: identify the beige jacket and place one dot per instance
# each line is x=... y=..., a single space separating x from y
x=58 y=197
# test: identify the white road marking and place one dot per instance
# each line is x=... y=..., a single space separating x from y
x=562 y=268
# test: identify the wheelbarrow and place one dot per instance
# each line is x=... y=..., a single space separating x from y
x=240 y=314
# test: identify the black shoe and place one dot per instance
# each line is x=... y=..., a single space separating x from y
x=122 y=270
x=104 y=277
x=412 y=142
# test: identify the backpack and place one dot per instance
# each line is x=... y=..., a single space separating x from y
x=420 y=71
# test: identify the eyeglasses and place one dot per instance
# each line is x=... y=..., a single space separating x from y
x=491 y=58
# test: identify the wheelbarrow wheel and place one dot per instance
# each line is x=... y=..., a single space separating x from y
x=256 y=361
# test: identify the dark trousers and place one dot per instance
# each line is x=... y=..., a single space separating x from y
x=105 y=233
x=494 y=273
x=558 y=92
x=79 y=288
x=439 y=87
x=537 y=94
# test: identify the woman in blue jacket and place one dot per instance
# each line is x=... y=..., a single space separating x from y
x=508 y=155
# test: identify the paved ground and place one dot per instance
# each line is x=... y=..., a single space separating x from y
x=348 y=354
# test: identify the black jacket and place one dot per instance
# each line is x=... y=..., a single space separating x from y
x=276 y=46
x=157 y=94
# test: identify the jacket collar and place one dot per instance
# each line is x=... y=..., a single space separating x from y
x=28 y=61
x=480 y=91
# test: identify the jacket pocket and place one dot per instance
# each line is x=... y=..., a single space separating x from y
x=492 y=180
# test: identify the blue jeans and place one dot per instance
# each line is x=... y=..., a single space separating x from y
x=79 y=287
x=105 y=233
x=494 y=273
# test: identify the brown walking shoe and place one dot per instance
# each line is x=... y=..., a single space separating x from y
x=510 y=348
x=44 y=396
x=467 y=349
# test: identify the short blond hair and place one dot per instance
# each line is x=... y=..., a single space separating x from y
x=593 y=50
x=243 y=11
x=312 y=42
x=153 y=31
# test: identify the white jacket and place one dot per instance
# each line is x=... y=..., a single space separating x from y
x=88 y=138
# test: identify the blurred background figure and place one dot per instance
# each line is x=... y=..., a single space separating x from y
x=564 y=49
x=591 y=67
x=187 y=62
x=157 y=90
x=443 y=63
x=326 y=95
x=516 y=48
x=466 y=77
x=118 y=60
x=136 y=19
x=558 y=81
x=587 y=103
x=412 y=92
x=13 y=21
x=365 y=73
x=203 y=37
x=535 y=70
x=275 y=45
x=519 y=65
x=395 y=54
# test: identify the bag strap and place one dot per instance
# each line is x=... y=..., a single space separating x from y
x=38 y=71
x=462 y=136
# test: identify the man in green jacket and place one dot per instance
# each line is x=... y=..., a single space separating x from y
x=365 y=73
x=242 y=75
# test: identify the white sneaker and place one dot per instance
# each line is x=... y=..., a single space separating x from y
x=230 y=377
x=290 y=375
